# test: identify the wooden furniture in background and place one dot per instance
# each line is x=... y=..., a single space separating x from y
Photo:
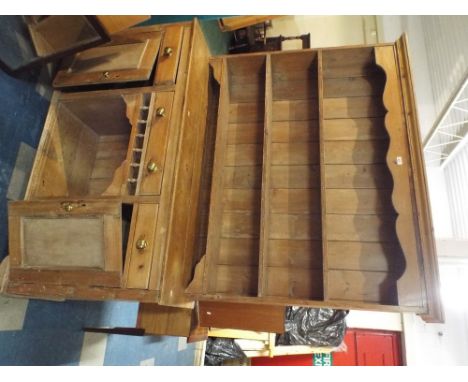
x=232 y=23
x=117 y=23
x=318 y=193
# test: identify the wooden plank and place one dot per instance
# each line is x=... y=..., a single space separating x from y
x=294 y=282
x=295 y=110
x=295 y=131
x=353 y=286
x=294 y=153
x=301 y=227
x=246 y=66
x=140 y=261
x=241 y=224
x=242 y=316
x=241 y=200
x=241 y=177
x=300 y=62
x=243 y=155
x=354 y=86
x=358 y=176
x=355 y=152
x=363 y=256
x=291 y=177
x=62 y=277
x=245 y=133
x=236 y=280
x=295 y=201
x=266 y=178
x=323 y=195
x=353 y=107
x=79 y=292
x=372 y=228
x=166 y=70
x=359 y=201
x=354 y=129
x=246 y=112
x=305 y=254
x=238 y=252
x=216 y=220
x=349 y=62
x=296 y=89
x=162 y=320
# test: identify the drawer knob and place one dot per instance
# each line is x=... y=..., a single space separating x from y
x=67 y=206
x=168 y=51
x=160 y=112
x=152 y=166
x=141 y=244
x=106 y=74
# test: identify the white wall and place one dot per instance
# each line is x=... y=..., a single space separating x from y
x=327 y=31
x=363 y=319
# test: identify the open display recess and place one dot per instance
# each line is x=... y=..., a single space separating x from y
x=317 y=185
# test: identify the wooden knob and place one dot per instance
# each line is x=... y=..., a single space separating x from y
x=67 y=206
x=168 y=51
x=106 y=74
x=152 y=166
x=141 y=244
x=160 y=112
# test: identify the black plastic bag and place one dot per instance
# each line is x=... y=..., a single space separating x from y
x=314 y=327
x=220 y=349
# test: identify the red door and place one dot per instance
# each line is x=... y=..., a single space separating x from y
x=364 y=348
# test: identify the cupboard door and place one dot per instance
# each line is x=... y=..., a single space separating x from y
x=127 y=58
x=66 y=242
x=155 y=153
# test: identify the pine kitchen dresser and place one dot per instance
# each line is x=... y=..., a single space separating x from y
x=279 y=178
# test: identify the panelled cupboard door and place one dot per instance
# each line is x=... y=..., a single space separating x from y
x=128 y=58
x=76 y=242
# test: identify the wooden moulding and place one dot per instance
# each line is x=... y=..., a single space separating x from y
x=411 y=284
x=423 y=216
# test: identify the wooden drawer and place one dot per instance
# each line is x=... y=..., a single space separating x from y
x=140 y=245
x=168 y=62
x=66 y=242
x=155 y=153
x=129 y=57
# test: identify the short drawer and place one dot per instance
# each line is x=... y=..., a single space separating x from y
x=140 y=245
x=156 y=147
x=169 y=54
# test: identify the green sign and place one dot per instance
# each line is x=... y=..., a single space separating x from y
x=323 y=359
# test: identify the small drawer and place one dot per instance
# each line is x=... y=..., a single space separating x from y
x=129 y=57
x=155 y=153
x=168 y=62
x=140 y=245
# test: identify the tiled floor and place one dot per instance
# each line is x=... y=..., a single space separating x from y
x=34 y=332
